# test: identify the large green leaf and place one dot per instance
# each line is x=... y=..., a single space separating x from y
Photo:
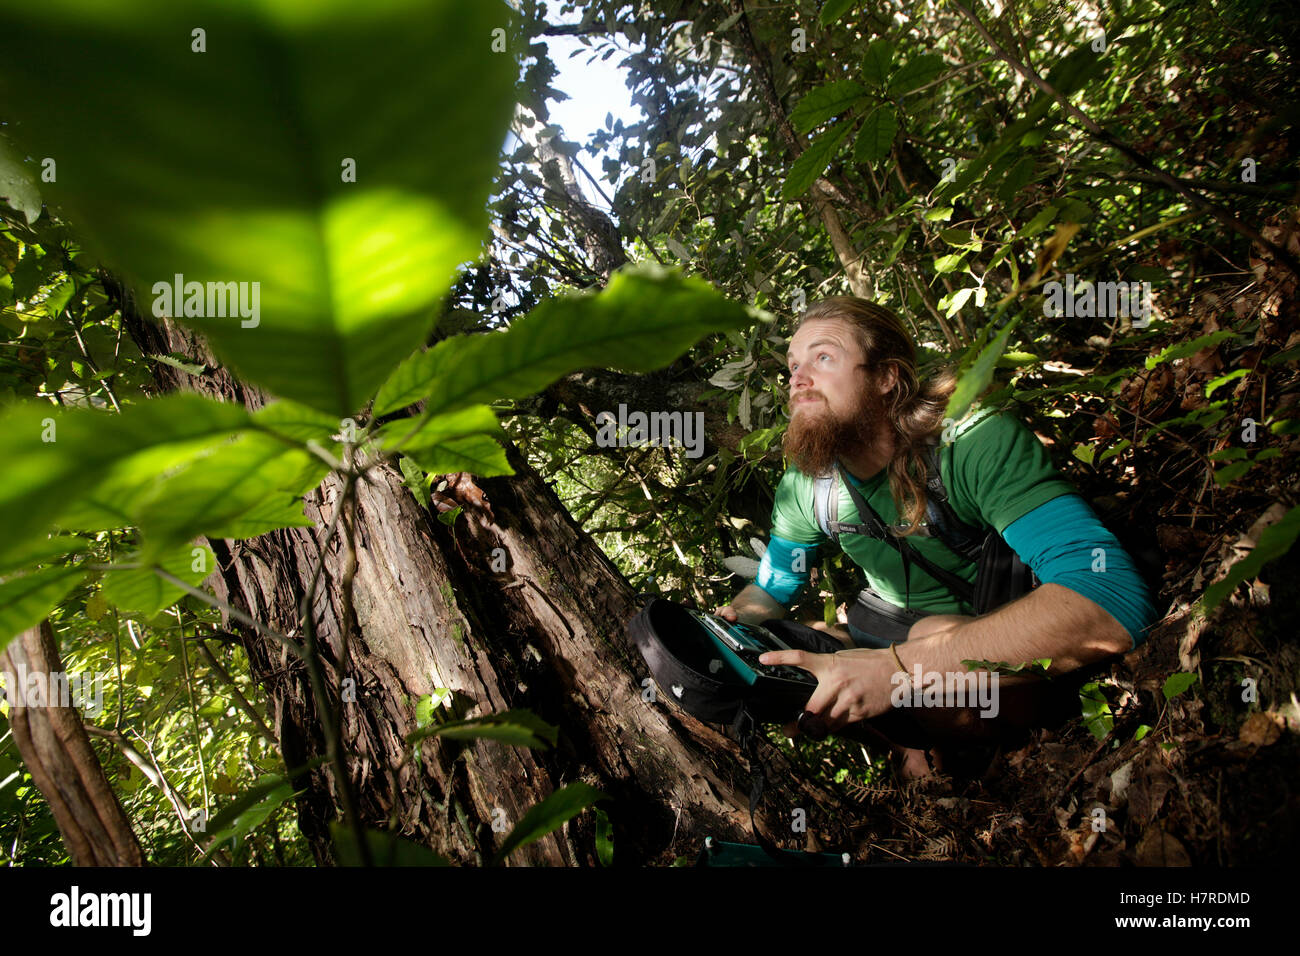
x=877 y=135
x=228 y=165
x=408 y=434
x=550 y=814
x=916 y=72
x=462 y=440
x=43 y=478
x=812 y=162
x=876 y=62
x=18 y=188
x=241 y=489
x=977 y=377
x=834 y=9
x=646 y=317
x=299 y=422
x=142 y=592
x=476 y=454
x=25 y=600
x=820 y=104
x=42 y=551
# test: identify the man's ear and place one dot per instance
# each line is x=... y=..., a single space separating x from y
x=888 y=378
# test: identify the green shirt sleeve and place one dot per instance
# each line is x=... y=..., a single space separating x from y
x=998 y=471
x=793 y=517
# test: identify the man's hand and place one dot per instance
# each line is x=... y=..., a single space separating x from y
x=851 y=685
x=752 y=605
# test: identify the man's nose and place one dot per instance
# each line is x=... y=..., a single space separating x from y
x=799 y=378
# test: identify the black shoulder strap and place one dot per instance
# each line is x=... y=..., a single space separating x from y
x=964 y=540
x=874 y=526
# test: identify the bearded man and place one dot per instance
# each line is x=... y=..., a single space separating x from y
x=855 y=399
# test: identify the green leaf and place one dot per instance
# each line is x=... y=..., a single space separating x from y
x=176 y=360
x=1096 y=710
x=1224 y=379
x=550 y=814
x=646 y=317
x=300 y=423
x=958 y=300
x=1274 y=541
x=949 y=263
x=44 y=479
x=1040 y=221
x=1175 y=684
x=834 y=9
x=522 y=728
x=1228 y=454
x=249 y=817
x=1229 y=473
x=386 y=849
x=820 y=104
x=812 y=162
x=975 y=379
x=877 y=61
x=412 y=434
x=239 y=490
x=604 y=838
x=413 y=479
x=26 y=599
x=141 y=591
x=228 y=165
x=916 y=72
x=1184 y=349
x=250 y=809
x=876 y=137
x=897 y=247
x=41 y=552
x=426 y=706
x=1115 y=449
x=476 y=454
x=18 y=189
x=1142 y=731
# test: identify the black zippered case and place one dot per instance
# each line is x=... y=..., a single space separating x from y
x=708 y=666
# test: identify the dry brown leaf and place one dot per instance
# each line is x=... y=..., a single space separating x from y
x=1158 y=848
x=1260 y=729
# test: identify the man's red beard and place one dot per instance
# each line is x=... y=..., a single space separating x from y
x=816 y=437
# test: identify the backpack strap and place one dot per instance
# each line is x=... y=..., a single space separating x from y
x=964 y=540
x=826 y=506
x=875 y=527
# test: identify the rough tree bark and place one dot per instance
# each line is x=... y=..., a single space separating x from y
x=56 y=751
x=547 y=634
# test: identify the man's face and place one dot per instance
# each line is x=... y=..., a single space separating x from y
x=834 y=412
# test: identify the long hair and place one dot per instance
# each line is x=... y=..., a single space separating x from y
x=914 y=409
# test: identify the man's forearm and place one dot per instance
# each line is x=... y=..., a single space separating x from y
x=1052 y=621
x=753 y=605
